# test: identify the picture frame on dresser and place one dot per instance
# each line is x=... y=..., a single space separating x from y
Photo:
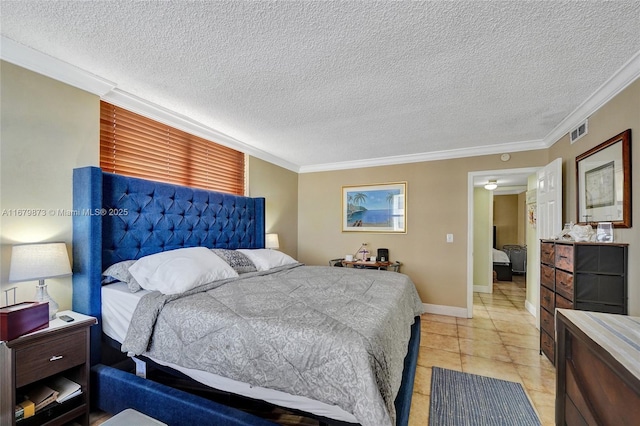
x=603 y=182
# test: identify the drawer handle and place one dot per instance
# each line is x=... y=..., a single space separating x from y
x=55 y=358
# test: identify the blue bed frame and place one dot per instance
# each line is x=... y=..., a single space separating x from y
x=119 y=218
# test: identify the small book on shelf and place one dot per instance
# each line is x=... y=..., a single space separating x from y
x=66 y=388
x=41 y=395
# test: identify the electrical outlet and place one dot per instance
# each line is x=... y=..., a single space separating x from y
x=449 y=238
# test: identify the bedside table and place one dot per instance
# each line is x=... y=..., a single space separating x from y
x=62 y=348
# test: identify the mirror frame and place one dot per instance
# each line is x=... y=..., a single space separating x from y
x=606 y=149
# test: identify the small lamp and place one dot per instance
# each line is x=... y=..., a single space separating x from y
x=30 y=262
x=271 y=241
x=491 y=185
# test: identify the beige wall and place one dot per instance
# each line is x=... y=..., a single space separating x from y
x=482 y=240
x=505 y=218
x=46 y=129
x=621 y=113
x=280 y=188
x=437 y=205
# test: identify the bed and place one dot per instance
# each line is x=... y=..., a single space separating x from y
x=162 y=218
x=502 y=265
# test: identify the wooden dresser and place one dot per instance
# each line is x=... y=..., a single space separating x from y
x=598 y=371
x=581 y=276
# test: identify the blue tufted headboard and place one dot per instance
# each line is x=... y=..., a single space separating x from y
x=119 y=218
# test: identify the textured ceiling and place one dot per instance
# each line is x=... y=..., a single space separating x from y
x=317 y=83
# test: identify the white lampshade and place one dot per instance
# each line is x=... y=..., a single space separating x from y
x=30 y=262
x=272 y=241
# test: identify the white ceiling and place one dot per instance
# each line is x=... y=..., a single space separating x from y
x=330 y=84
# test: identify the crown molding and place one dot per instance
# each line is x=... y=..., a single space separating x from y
x=427 y=156
x=619 y=81
x=36 y=61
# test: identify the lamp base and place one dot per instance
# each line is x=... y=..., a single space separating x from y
x=43 y=296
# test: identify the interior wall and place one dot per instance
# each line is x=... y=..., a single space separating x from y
x=47 y=128
x=280 y=188
x=619 y=114
x=436 y=206
x=505 y=218
x=482 y=240
x=533 y=255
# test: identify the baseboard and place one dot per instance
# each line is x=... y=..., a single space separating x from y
x=451 y=311
x=481 y=289
x=530 y=307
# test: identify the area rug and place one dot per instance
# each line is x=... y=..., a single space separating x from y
x=459 y=399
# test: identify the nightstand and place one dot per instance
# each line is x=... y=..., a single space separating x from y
x=62 y=348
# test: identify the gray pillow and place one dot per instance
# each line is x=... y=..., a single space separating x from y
x=120 y=272
x=238 y=261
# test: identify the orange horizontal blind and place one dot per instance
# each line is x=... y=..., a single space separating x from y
x=133 y=145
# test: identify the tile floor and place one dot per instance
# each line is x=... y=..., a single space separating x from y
x=500 y=341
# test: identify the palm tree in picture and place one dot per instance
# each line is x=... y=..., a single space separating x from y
x=390 y=201
x=357 y=200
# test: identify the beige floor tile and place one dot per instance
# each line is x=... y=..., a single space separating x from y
x=472 y=333
x=438 y=318
x=440 y=341
x=490 y=368
x=428 y=357
x=484 y=349
x=419 y=414
x=422 y=382
x=545 y=405
x=480 y=312
x=521 y=340
x=532 y=357
x=511 y=316
x=515 y=327
x=537 y=379
x=485 y=323
x=433 y=327
x=506 y=303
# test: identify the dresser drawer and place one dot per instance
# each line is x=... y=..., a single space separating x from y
x=547 y=277
x=50 y=356
x=562 y=303
x=564 y=284
x=564 y=257
x=547 y=299
x=548 y=346
x=546 y=322
x=547 y=253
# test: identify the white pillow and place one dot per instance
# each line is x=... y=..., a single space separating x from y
x=266 y=259
x=176 y=271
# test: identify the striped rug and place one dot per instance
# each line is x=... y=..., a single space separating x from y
x=459 y=399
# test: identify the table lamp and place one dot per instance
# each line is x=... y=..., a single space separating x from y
x=271 y=241
x=30 y=262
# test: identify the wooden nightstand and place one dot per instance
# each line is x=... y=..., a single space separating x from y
x=63 y=348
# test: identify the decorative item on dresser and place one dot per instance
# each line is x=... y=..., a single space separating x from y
x=582 y=276
x=597 y=374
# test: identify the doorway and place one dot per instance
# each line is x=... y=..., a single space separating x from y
x=480 y=249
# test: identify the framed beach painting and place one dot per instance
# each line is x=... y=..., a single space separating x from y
x=375 y=208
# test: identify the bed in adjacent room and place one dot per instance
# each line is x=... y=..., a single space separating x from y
x=502 y=265
x=334 y=343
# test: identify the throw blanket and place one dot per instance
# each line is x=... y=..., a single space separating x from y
x=336 y=335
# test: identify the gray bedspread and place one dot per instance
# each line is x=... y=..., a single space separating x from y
x=336 y=335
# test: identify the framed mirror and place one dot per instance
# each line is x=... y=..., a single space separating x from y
x=603 y=179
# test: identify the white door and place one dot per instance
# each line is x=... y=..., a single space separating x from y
x=549 y=212
x=549 y=199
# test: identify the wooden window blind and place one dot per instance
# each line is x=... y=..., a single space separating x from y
x=133 y=145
